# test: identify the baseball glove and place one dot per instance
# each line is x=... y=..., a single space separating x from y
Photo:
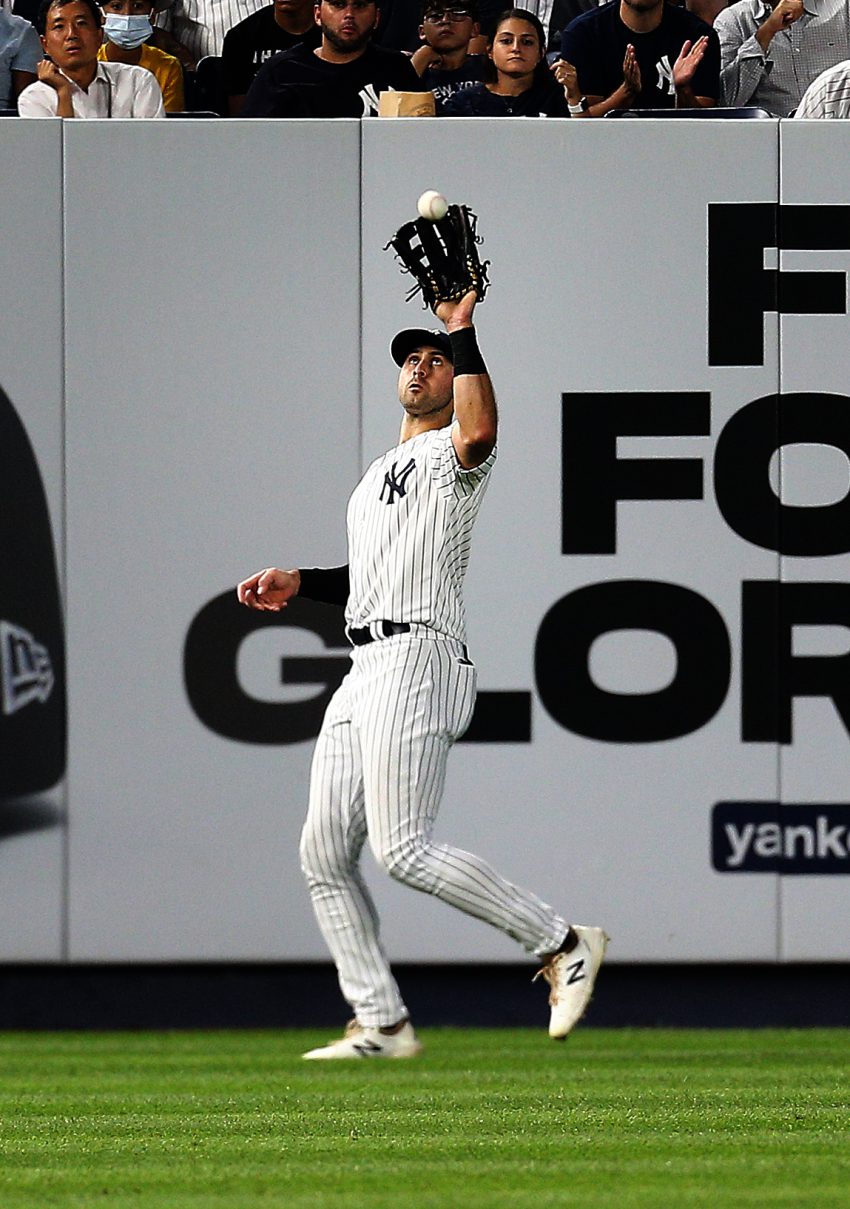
x=442 y=256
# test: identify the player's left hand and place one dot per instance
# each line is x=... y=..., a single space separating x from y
x=456 y=315
x=690 y=57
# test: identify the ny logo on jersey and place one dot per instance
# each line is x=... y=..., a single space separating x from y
x=369 y=97
x=394 y=482
x=665 y=76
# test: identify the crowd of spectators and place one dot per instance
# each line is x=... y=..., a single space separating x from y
x=297 y=58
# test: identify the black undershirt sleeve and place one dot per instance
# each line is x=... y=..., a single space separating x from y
x=327 y=584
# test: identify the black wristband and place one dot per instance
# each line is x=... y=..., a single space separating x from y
x=466 y=354
x=326 y=584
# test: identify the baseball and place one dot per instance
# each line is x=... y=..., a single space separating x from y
x=432 y=205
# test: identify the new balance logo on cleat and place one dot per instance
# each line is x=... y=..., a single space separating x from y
x=571 y=981
x=576 y=972
x=361 y=1042
x=367 y=1048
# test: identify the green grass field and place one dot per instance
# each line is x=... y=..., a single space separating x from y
x=504 y=1119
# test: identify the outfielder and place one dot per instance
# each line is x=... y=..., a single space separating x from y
x=380 y=759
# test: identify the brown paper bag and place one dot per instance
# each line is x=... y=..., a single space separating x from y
x=406 y=105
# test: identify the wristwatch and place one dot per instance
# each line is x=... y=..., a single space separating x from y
x=581 y=107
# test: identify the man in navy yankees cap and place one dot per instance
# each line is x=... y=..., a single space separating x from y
x=380 y=759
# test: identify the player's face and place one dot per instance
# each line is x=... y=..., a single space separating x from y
x=516 y=49
x=425 y=382
x=71 y=35
x=347 y=24
x=448 y=28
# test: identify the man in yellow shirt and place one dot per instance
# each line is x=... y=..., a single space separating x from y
x=127 y=27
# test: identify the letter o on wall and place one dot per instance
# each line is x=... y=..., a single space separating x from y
x=742 y=459
x=688 y=620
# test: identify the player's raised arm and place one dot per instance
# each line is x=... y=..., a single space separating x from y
x=474 y=434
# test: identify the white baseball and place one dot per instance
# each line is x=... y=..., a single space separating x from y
x=432 y=205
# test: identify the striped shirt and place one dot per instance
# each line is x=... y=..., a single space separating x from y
x=776 y=80
x=410 y=524
x=829 y=95
x=201 y=24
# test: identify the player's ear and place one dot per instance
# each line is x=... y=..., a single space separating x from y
x=421 y=33
x=476 y=30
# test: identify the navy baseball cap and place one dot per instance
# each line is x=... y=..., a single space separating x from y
x=419 y=337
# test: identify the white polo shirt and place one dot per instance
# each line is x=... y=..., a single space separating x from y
x=118 y=90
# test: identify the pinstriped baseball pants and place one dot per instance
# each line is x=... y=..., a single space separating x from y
x=378 y=772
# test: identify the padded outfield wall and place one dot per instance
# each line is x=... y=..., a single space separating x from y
x=196 y=343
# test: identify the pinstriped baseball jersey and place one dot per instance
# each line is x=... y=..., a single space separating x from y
x=410 y=524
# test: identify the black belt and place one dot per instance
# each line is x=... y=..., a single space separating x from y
x=387 y=630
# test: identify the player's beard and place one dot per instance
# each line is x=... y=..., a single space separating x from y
x=346 y=46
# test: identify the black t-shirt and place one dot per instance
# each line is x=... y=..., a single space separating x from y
x=297 y=83
x=595 y=43
x=545 y=98
x=250 y=43
x=444 y=84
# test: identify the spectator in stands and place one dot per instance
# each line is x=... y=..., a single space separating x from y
x=164 y=40
x=829 y=95
x=443 y=61
x=771 y=53
x=342 y=77
x=706 y=10
x=520 y=83
x=201 y=25
x=267 y=32
x=127 y=27
x=642 y=54
x=20 y=51
x=72 y=82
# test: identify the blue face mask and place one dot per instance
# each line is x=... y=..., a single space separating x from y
x=127 y=32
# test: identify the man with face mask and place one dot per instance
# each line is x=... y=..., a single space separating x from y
x=127 y=26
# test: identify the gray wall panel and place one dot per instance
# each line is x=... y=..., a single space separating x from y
x=597 y=233
x=213 y=368
x=32 y=832
x=816 y=358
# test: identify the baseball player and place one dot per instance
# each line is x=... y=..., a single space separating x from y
x=380 y=759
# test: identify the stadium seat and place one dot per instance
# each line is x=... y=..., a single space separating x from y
x=207 y=86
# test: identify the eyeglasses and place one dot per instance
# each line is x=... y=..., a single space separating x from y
x=436 y=15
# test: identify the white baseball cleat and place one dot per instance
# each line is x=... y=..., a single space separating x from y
x=571 y=977
x=359 y=1042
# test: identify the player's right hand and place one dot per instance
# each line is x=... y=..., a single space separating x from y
x=269 y=590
